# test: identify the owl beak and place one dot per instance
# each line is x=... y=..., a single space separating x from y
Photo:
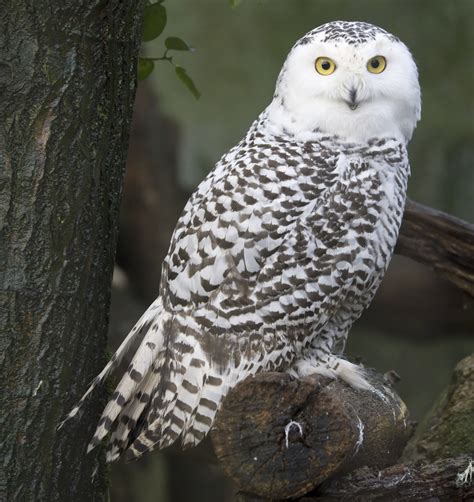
x=352 y=101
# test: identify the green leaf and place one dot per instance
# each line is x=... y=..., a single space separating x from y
x=144 y=68
x=187 y=81
x=235 y=3
x=177 y=44
x=154 y=21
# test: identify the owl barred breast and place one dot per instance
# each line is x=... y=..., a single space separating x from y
x=281 y=247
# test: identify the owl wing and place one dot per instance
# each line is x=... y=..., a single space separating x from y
x=240 y=273
x=244 y=328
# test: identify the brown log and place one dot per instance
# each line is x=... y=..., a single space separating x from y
x=438 y=462
x=440 y=480
x=440 y=241
x=279 y=437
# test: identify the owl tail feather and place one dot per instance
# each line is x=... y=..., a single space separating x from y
x=128 y=419
x=195 y=391
x=187 y=416
x=151 y=397
x=141 y=373
x=171 y=401
x=142 y=324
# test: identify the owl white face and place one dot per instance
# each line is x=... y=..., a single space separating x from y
x=358 y=86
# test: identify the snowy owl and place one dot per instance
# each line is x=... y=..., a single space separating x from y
x=281 y=247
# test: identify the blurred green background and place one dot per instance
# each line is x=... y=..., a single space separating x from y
x=239 y=53
x=418 y=325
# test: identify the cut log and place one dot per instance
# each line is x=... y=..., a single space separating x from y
x=279 y=437
x=438 y=463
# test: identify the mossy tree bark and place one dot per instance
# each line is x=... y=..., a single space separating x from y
x=67 y=85
x=448 y=429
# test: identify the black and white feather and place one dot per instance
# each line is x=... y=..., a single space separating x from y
x=280 y=248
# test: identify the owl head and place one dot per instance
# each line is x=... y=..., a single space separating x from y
x=351 y=79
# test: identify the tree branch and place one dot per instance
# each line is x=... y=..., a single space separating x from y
x=440 y=241
x=437 y=480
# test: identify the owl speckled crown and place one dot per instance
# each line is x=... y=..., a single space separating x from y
x=350 y=32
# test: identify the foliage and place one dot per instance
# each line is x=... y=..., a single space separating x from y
x=242 y=50
x=154 y=23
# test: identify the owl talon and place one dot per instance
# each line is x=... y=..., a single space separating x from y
x=335 y=367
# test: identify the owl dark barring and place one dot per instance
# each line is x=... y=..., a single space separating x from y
x=281 y=247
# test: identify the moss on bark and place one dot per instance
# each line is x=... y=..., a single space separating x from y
x=448 y=430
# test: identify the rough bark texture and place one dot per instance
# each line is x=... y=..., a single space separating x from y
x=434 y=481
x=279 y=437
x=440 y=241
x=67 y=84
x=441 y=450
x=437 y=463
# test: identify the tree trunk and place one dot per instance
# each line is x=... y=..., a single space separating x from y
x=67 y=85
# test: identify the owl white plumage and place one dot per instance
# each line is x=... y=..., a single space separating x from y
x=281 y=247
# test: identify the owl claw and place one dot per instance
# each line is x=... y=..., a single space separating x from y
x=335 y=367
x=353 y=374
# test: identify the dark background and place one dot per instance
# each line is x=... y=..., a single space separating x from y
x=418 y=325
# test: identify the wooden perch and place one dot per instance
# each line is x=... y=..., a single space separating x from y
x=443 y=479
x=437 y=462
x=440 y=241
x=279 y=437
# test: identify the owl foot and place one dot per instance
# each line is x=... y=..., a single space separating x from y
x=334 y=367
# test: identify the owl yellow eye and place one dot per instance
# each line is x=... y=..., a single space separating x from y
x=325 y=66
x=377 y=64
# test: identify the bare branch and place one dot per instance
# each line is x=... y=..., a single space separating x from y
x=440 y=241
